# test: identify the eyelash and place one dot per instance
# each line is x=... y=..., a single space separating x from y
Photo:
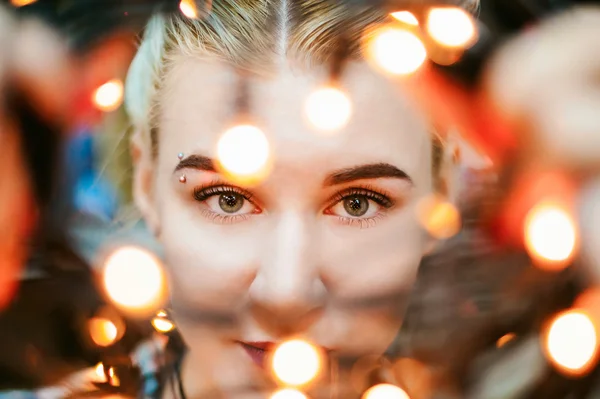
x=202 y=193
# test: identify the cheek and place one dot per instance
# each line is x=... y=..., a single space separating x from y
x=211 y=265
x=378 y=260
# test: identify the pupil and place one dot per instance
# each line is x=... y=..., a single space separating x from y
x=231 y=203
x=357 y=205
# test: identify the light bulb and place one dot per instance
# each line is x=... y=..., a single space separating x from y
x=328 y=109
x=296 y=362
x=109 y=96
x=451 y=27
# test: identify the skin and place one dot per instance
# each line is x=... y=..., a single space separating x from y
x=292 y=259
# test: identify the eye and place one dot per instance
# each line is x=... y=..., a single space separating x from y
x=226 y=201
x=359 y=204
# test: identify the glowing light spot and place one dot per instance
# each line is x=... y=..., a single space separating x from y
x=21 y=3
x=505 y=339
x=296 y=362
x=385 y=391
x=162 y=325
x=397 y=51
x=571 y=342
x=243 y=154
x=99 y=375
x=406 y=16
x=102 y=331
x=288 y=394
x=439 y=217
x=550 y=235
x=451 y=27
x=109 y=96
x=328 y=109
x=134 y=280
x=189 y=8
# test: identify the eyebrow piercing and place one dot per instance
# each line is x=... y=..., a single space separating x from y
x=180 y=156
x=182 y=179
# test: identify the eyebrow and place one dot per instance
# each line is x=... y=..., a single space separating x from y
x=361 y=172
x=199 y=162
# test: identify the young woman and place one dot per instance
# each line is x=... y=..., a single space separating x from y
x=327 y=245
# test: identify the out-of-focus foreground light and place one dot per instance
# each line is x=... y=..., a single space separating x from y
x=161 y=323
x=296 y=362
x=396 y=50
x=134 y=280
x=243 y=154
x=328 y=109
x=189 y=8
x=288 y=394
x=109 y=96
x=385 y=391
x=102 y=331
x=571 y=342
x=439 y=217
x=406 y=16
x=21 y=3
x=505 y=339
x=550 y=235
x=451 y=27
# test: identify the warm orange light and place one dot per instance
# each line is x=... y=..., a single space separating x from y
x=406 y=16
x=109 y=96
x=243 y=154
x=451 y=27
x=288 y=394
x=162 y=325
x=296 y=362
x=396 y=50
x=99 y=375
x=385 y=391
x=21 y=3
x=439 y=217
x=505 y=339
x=550 y=235
x=134 y=280
x=328 y=109
x=189 y=8
x=102 y=331
x=571 y=342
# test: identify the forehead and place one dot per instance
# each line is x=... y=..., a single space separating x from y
x=198 y=105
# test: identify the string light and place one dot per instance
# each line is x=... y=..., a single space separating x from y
x=328 y=109
x=439 y=217
x=451 y=27
x=102 y=331
x=296 y=362
x=571 y=342
x=109 y=96
x=288 y=394
x=406 y=17
x=189 y=8
x=550 y=235
x=243 y=154
x=161 y=323
x=396 y=51
x=385 y=391
x=134 y=280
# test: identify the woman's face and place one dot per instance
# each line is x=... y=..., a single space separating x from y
x=318 y=248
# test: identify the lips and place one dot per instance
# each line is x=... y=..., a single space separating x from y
x=257 y=351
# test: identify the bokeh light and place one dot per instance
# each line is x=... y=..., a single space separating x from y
x=189 y=8
x=21 y=3
x=296 y=362
x=134 y=280
x=109 y=96
x=406 y=17
x=396 y=50
x=328 y=109
x=102 y=331
x=243 y=154
x=385 y=391
x=288 y=394
x=550 y=235
x=439 y=217
x=162 y=324
x=451 y=27
x=99 y=373
x=505 y=339
x=571 y=342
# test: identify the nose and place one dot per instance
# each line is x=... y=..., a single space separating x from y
x=287 y=295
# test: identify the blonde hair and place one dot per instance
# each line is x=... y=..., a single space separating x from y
x=247 y=34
